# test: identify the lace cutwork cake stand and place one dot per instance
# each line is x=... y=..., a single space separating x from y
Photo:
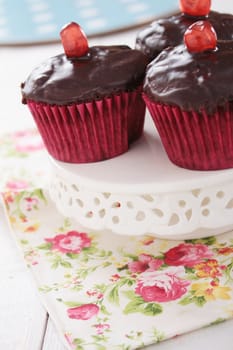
x=142 y=192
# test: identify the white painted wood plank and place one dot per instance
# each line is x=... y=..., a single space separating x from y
x=52 y=340
x=22 y=317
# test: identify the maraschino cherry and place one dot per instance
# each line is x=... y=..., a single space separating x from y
x=195 y=7
x=200 y=36
x=74 y=40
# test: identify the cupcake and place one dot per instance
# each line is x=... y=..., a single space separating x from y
x=87 y=101
x=189 y=93
x=167 y=32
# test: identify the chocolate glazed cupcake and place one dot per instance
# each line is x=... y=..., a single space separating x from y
x=169 y=32
x=87 y=102
x=189 y=93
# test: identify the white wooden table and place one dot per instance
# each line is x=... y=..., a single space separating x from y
x=24 y=323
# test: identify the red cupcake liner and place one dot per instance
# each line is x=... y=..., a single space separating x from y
x=136 y=115
x=195 y=140
x=92 y=131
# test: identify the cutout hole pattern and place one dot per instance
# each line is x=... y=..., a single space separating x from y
x=168 y=213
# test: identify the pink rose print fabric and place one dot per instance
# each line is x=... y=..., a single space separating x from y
x=160 y=286
x=23 y=161
x=144 y=262
x=83 y=312
x=27 y=141
x=98 y=285
x=71 y=242
x=187 y=254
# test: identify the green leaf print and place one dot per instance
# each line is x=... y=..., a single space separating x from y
x=100 y=338
x=152 y=309
x=113 y=295
x=136 y=305
x=158 y=336
x=72 y=255
x=82 y=273
x=217 y=321
x=45 y=289
x=57 y=260
x=199 y=301
x=130 y=294
x=100 y=347
x=65 y=264
x=45 y=246
x=24 y=241
x=104 y=310
x=39 y=194
x=69 y=303
x=79 y=347
x=139 y=305
x=211 y=240
x=186 y=300
x=78 y=343
x=228 y=272
x=66 y=225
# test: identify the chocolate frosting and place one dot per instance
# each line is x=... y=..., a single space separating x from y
x=167 y=32
x=105 y=70
x=192 y=81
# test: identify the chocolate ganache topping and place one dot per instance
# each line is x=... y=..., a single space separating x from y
x=192 y=81
x=105 y=70
x=167 y=32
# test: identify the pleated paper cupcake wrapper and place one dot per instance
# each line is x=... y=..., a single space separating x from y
x=194 y=140
x=93 y=131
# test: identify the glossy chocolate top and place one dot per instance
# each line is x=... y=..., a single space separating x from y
x=105 y=70
x=192 y=81
x=169 y=31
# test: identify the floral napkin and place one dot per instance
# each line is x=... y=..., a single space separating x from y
x=23 y=161
x=106 y=291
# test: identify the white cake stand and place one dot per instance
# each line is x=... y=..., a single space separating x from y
x=142 y=192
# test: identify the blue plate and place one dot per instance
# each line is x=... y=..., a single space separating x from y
x=36 y=21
